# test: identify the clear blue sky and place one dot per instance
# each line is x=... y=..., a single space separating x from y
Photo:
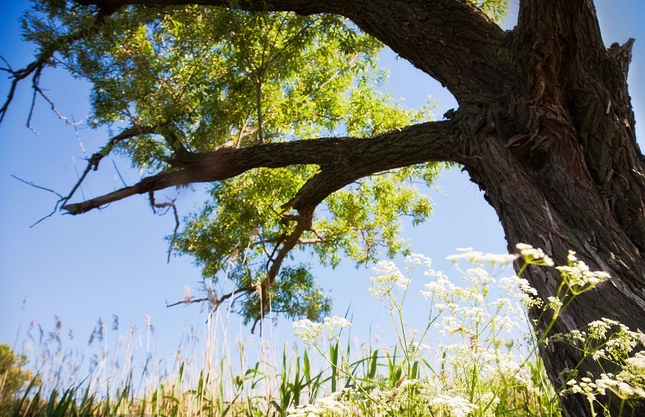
x=113 y=261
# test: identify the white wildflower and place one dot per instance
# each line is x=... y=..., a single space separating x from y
x=480 y=258
x=334 y=325
x=534 y=256
x=578 y=277
x=554 y=303
x=389 y=278
x=457 y=406
x=418 y=259
x=637 y=362
x=330 y=405
x=307 y=331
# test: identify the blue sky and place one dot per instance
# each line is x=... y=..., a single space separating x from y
x=113 y=261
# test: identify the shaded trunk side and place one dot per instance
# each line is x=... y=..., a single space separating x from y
x=533 y=163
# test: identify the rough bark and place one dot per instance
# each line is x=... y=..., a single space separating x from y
x=341 y=160
x=545 y=128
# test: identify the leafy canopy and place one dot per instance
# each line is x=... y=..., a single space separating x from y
x=190 y=79
x=13 y=377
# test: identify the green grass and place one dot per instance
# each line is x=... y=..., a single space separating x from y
x=487 y=364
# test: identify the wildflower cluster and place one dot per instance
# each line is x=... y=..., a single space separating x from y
x=478 y=368
x=519 y=289
x=577 y=276
x=452 y=406
x=616 y=384
x=479 y=258
x=534 y=256
x=612 y=342
x=326 y=406
x=388 y=281
x=308 y=331
x=468 y=376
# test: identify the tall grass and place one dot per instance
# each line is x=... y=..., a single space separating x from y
x=124 y=378
x=485 y=365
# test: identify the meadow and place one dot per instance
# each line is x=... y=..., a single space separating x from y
x=476 y=357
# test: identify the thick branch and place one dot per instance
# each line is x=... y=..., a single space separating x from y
x=455 y=42
x=556 y=40
x=564 y=23
x=343 y=160
x=303 y=7
x=304 y=223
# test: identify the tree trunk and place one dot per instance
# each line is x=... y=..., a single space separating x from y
x=550 y=201
x=560 y=164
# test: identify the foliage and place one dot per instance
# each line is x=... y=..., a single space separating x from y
x=13 y=376
x=497 y=9
x=189 y=79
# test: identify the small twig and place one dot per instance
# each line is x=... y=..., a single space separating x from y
x=95 y=159
x=324 y=84
x=17 y=77
x=46 y=55
x=168 y=204
x=257 y=320
x=61 y=198
x=301 y=241
x=188 y=301
x=47 y=216
x=259 y=104
x=282 y=237
x=9 y=69
x=34 y=82
x=53 y=106
x=92 y=162
x=119 y=174
x=214 y=301
x=78 y=136
x=37 y=186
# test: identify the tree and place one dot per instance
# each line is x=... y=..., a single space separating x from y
x=544 y=127
x=13 y=377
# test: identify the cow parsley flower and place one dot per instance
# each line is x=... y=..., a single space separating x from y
x=334 y=325
x=389 y=279
x=455 y=405
x=307 y=331
x=330 y=405
x=480 y=258
x=578 y=277
x=418 y=259
x=534 y=256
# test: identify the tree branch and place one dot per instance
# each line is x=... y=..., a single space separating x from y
x=93 y=162
x=342 y=161
x=565 y=23
x=304 y=220
x=167 y=204
x=556 y=40
x=212 y=298
x=302 y=7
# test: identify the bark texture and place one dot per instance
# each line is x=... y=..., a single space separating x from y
x=545 y=128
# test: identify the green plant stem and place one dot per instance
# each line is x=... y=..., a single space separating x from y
x=354 y=380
